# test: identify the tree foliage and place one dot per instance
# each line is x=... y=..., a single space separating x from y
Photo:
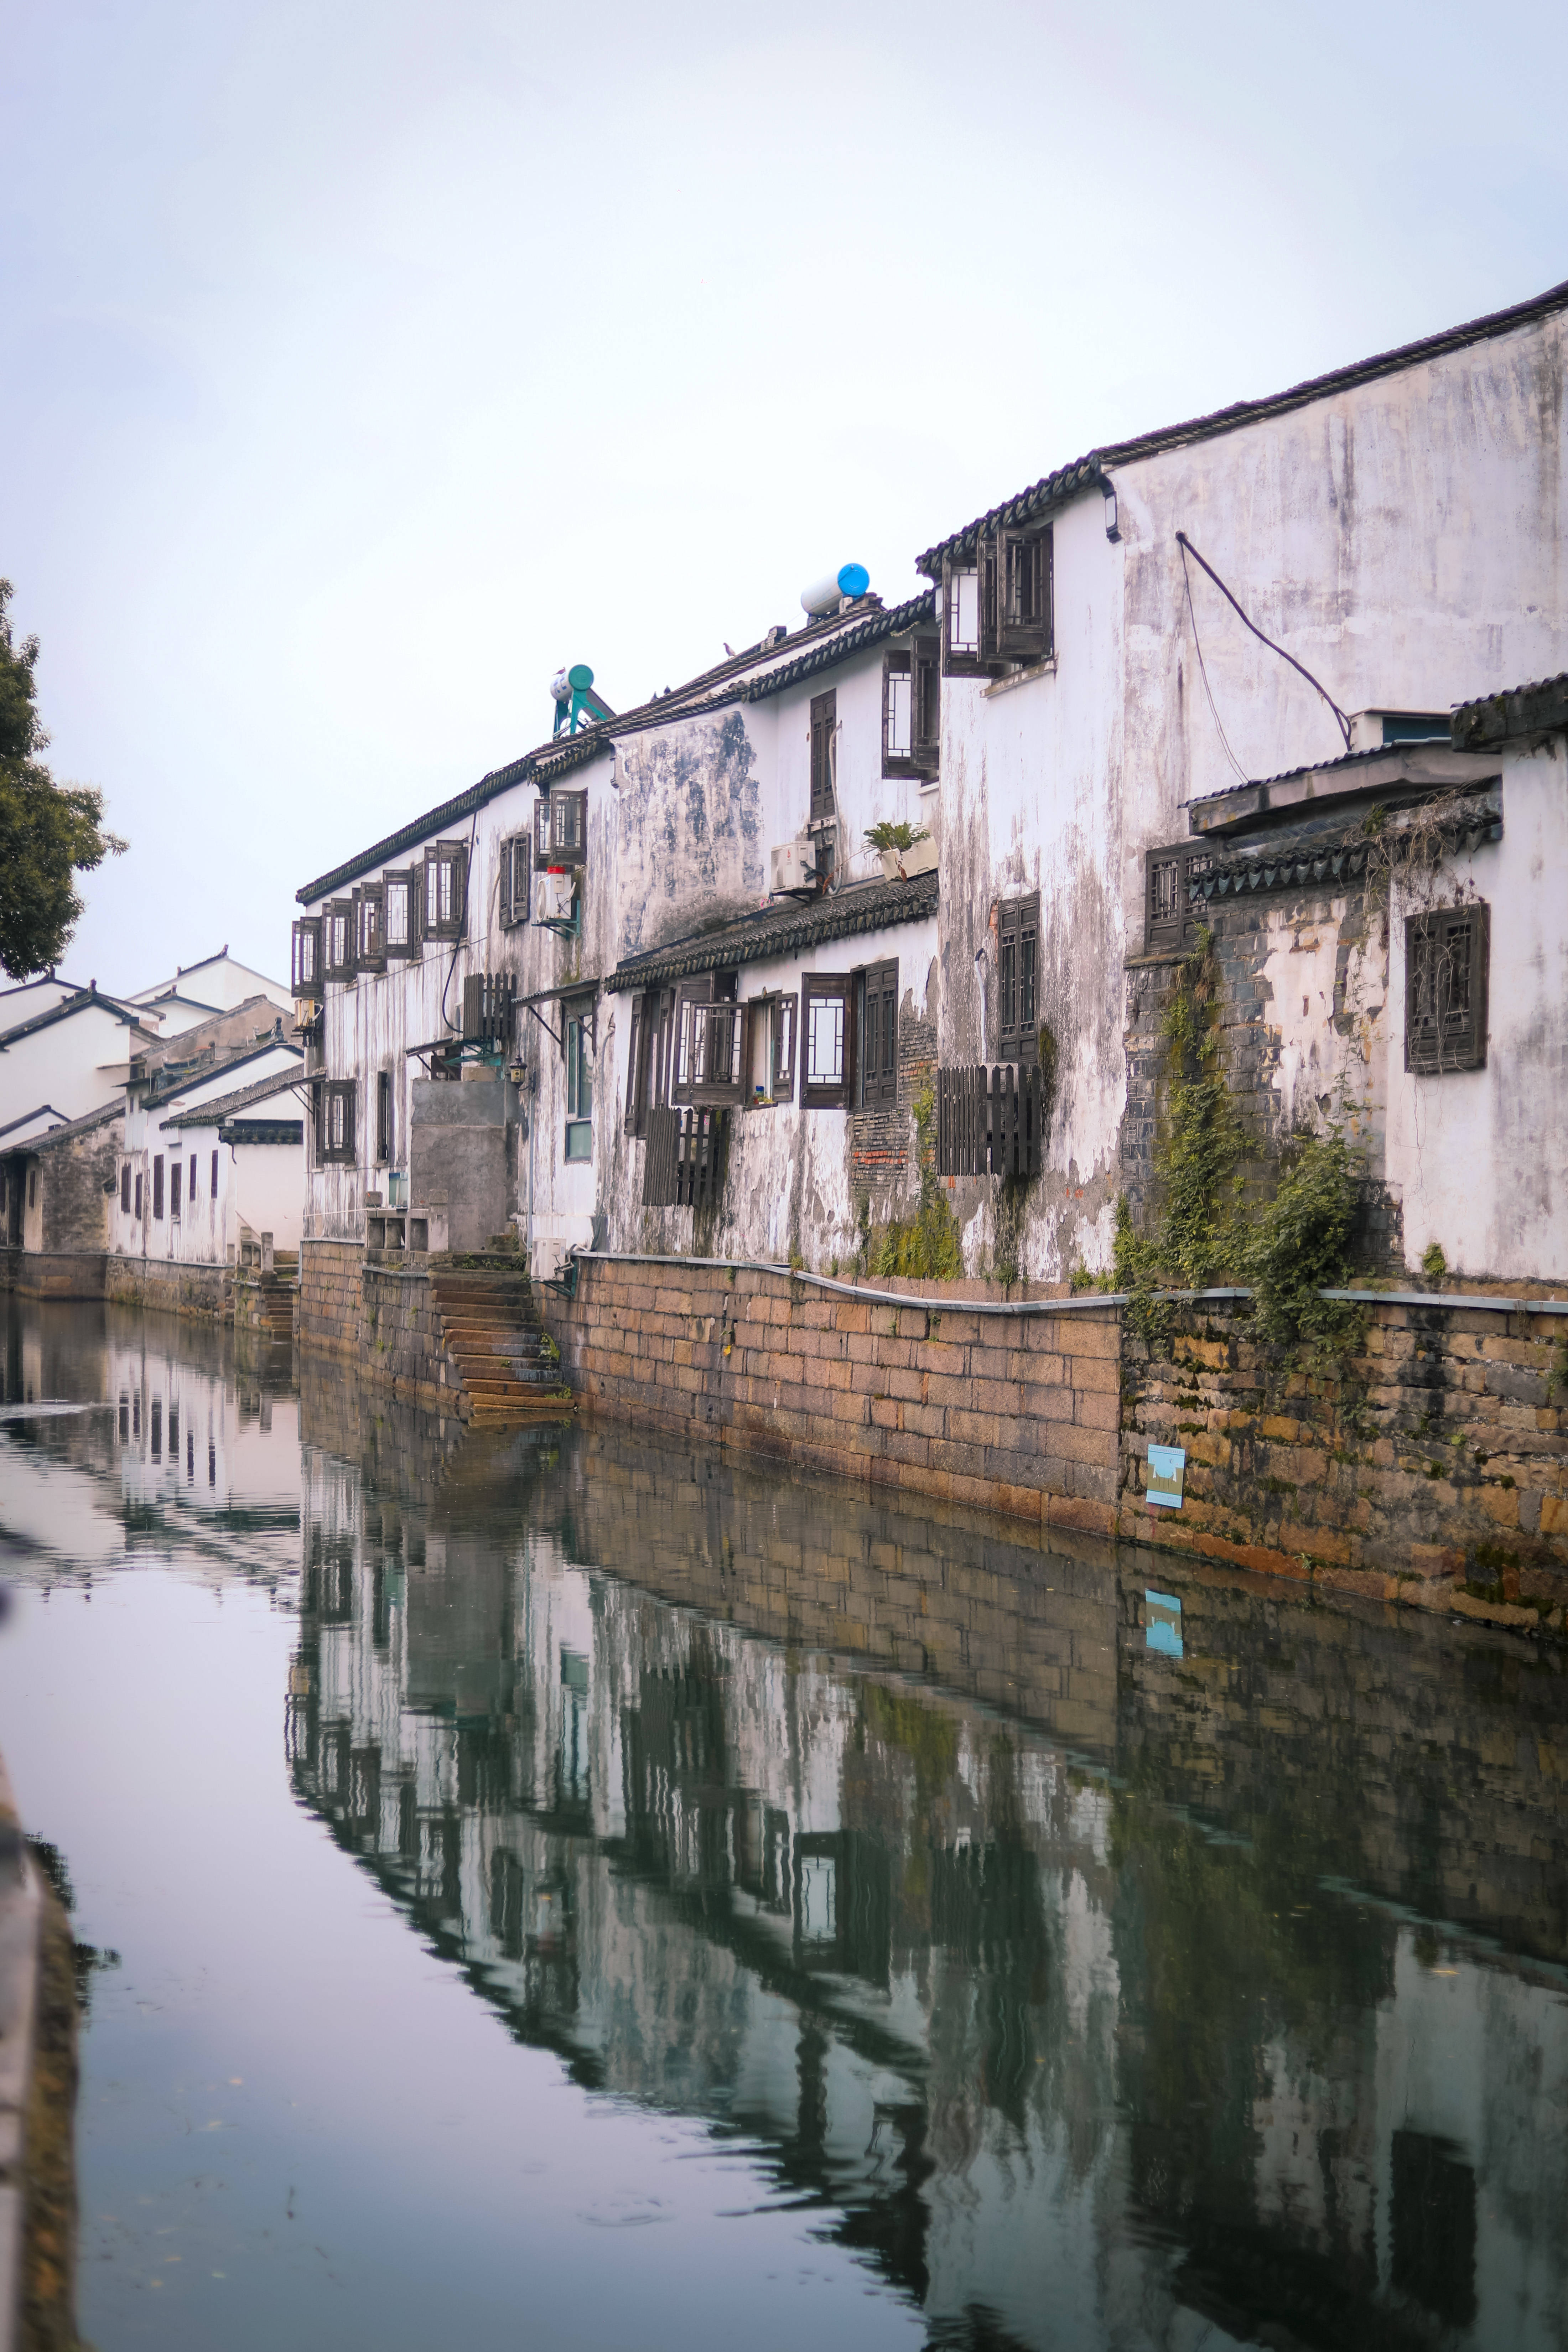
x=50 y=833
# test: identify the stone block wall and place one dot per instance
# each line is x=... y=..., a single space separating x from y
x=329 y=1316
x=1434 y=1449
x=385 y=1318
x=204 y=1292
x=1017 y=1414
x=53 y=1274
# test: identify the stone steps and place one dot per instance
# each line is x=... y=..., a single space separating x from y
x=492 y=1333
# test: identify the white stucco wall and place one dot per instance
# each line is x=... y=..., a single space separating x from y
x=65 y=1063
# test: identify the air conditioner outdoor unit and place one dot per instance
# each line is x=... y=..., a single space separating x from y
x=794 y=866
x=553 y=898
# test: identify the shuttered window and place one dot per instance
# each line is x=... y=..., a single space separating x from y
x=176 y=1171
x=960 y=621
x=383 y=1117
x=561 y=829
x=214 y=1176
x=1017 y=980
x=306 y=960
x=823 y=720
x=191 y=1196
x=1170 y=925
x=896 y=716
x=445 y=891
x=516 y=873
x=1447 y=956
x=827 y=997
x=1023 y=594
x=125 y=1190
x=335 y=1121
x=338 y=938
x=370 y=950
x=710 y=1041
x=158 y=1186
x=879 y=1034
x=925 y=706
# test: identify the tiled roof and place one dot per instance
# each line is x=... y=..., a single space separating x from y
x=83 y=1126
x=822 y=646
x=1520 y=710
x=1321 y=852
x=1086 y=471
x=66 y=1011
x=224 y=1106
x=264 y=1131
x=782 y=931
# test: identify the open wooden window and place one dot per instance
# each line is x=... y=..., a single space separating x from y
x=710 y=1040
x=648 y=1078
x=1170 y=922
x=925 y=706
x=369 y=948
x=879 y=1034
x=1023 y=594
x=824 y=721
x=516 y=873
x=306 y=959
x=401 y=894
x=1447 y=954
x=825 y=1079
x=898 y=715
x=335 y=1122
x=176 y=1170
x=768 y=1049
x=338 y=938
x=1017 y=980
x=561 y=829
x=445 y=891
x=579 y=1084
x=961 y=656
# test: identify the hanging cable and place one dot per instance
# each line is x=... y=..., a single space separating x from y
x=1203 y=671
x=1185 y=544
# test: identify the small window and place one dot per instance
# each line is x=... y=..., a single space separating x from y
x=125 y=1190
x=214 y=1194
x=335 y=1122
x=158 y=1186
x=338 y=938
x=826 y=1021
x=175 y=1173
x=898 y=686
x=516 y=871
x=400 y=895
x=138 y=1199
x=307 y=957
x=561 y=829
x=767 y=1033
x=446 y=878
x=370 y=945
x=649 y=1078
x=579 y=1090
x=383 y=1117
x=1023 y=592
x=878 y=1031
x=824 y=754
x=191 y=1196
x=784 y=1022
x=960 y=621
x=710 y=1041
x=1017 y=980
x=925 y=706
x=1447 y=959
x=33 y=1186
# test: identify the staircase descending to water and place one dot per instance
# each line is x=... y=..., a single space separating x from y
x=491 y=1331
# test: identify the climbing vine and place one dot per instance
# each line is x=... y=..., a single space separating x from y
x=925 y=1245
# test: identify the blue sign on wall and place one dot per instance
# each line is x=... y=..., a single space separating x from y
x=1166 y=1465
x=1162 y=1622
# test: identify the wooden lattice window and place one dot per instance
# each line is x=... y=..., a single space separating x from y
x=652 y=1051
x=1023 y=594
x=445 y=891
x=925 y=706
x=961 y=655
x=1448 y=953
x=306 y=960
x=710 y=1041
x=370 y=944
x=335 y=1122
x=879 y=1034
x=561 y=829
x=516 y=874
x=825 y=1077
x=1018 y=980
x=401 y=893
x=338 y=938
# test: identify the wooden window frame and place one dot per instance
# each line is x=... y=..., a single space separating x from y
x=214 y=1172
x=158 y=1188
x=961 y=657
x=579 y=1121
x=823 y=726
x=1445 y=1023
x=877 y=1035
x=337 y=919
x=191 y=1187
x=647 y=1077
x=1018 y=980
x=1023 y=621
x=370 y=933
x=560 y=830
x=897 y=663
x=305 y=960
x=827 y=987
x=925 y=706
x=710 y=1022
x=176 y=1186
x=448 y=859
x=411 y=879
x=139 y=1197
x=516 y=880
x=1171 y=924
x=333 y=1092
x=125 y=1188
x=384 y=1119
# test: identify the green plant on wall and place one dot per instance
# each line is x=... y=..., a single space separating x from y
x=888 y=835
x=926 y=1245
x=1299 y=1245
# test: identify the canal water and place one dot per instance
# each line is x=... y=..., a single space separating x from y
x=540 y=1888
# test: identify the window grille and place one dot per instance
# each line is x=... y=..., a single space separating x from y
x=306 y=960
x=335 y=1122
x=1173 y=907
x=516 y=875
x=489 y=1010
x=897 y=688
x=561 y=829
x=1023 y=592
x=825 y=1019
x=1018 y=979
x=1447 y=954
x=369 y=948
x=925 y=706
x=710 y=1049
x=400 y=899
x=961 y=655
x=446 y=879
x=338 y=938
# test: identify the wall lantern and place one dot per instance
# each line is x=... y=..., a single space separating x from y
x=1108 y=491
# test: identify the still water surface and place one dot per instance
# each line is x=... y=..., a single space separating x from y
x=561 y=1892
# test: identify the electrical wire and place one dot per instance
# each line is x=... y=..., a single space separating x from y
x=1203 y=672
x=1185 y=544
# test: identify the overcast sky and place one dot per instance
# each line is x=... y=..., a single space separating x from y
x=364 y=362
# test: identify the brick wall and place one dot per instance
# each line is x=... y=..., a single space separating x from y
x=330 y=1317
x=881 y=1141
x=50 y=1274
x=166 y=1285
x=1017 y=1416
x=383 y=1318
x=1438 y=1450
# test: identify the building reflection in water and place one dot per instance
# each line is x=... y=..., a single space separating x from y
x=1095 y=1994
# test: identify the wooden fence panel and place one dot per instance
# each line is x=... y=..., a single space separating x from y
x=990 y=1122
x=685 y=1158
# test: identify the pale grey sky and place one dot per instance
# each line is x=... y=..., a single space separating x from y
x=364 y=361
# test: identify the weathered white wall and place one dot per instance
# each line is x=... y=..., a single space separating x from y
x=1403 y=538
x=200 y=1237
x=65 y=1063
x=1479 y=1158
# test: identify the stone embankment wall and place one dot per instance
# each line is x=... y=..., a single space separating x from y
x=204 y=1292
x=383 y=1319
x=1012 y=1414
x=1428 y=1463
x=53 y=1274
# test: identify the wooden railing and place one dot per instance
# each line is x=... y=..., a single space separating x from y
x=686 y=1156
x=990 y=1121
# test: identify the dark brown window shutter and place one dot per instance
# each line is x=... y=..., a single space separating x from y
x=823 y=720
x=1017 y=980
x=990 y=601
x=1448 y=960
x=306 y=962
x=961 y=655
x=925 y=706
x=827 y=1045
x=1023 y=577
x=878 y=1041
x=1170 y=922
